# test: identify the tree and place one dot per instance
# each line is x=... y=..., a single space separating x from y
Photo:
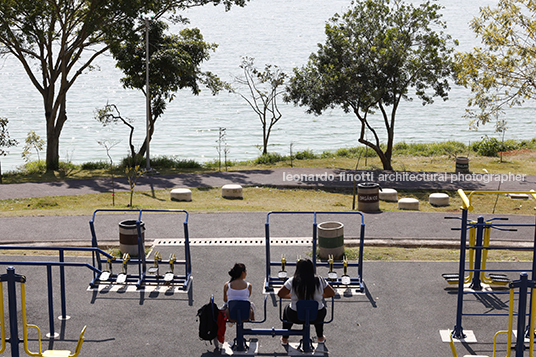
x=33 y=141
x=501 y=72
x=108 y=145
x=264 y=88
x=111 y=115
x=57 y=41
x=374 y=54
x=174 y=63
x=5 y=141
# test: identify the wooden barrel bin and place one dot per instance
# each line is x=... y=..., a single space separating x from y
x=331 y=240
x=128 y=237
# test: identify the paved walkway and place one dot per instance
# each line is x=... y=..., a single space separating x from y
x=287 y=177
x=401 y=228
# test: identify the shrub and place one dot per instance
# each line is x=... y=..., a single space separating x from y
x=348 y=152
x=433 y=149
x=327 y=154
x=167 y=162
x=187 y=164
x=491 y=146
x=95 y=165
x=130 y=162
x=270 y=158
x=305 y=155
x=34 y=167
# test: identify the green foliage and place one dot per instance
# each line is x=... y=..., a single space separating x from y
x=354 y=152
x=492 y=146
x=174 y=63
x=450 y=148
x=500 y=72
x=95 y=165
x=129 y=161
x=133 y=173
x=33 y=141
x=65 y=37
x=33 y=167
x=327 y=154
x=305 y=155
x=160 y=162
x=167 y=162
x=5 y=141
x=374 y=54
x=269 y=158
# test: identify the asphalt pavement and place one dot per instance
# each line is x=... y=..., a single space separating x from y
x=404 y=307
x=401 y=228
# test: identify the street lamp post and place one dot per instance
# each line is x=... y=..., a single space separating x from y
x=147 y=19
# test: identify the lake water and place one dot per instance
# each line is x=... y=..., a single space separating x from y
x=278 y=32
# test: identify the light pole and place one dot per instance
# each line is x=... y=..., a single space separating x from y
x=148 y=20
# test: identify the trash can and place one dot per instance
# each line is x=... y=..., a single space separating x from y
x=330 y=240
x=128 y=237
x=368 y=197
x=462 y=164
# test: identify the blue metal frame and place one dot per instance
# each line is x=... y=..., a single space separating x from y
x=11 y=279
x=305 y=332
x=523 y=284
x=271 y=282
x=141 y=261
x=475 y=284
x=61 y=264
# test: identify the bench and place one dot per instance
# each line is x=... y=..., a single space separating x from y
x=307 y=312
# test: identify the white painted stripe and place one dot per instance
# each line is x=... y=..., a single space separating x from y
x=234 y=242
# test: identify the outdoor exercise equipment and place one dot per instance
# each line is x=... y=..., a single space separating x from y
x=105 y=275
x=144 y=274
x=332 y=275
x=479 y=244
x=472 y=284
x=523 y=284
x=348 y=282
x=11 y=278
x=307 y=312
x=282 y=273
x=169 y=275
x=122 y=278
x=155 y=269
x=61 y=263
x=345 y=278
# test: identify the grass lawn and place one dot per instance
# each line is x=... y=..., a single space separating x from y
x=267 y=199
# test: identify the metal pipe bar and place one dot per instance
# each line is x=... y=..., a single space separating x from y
x=72 y=264
x=63 y=298
x=50 y=302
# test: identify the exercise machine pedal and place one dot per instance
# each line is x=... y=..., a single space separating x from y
x=104 y=276
x=498 y=276
x=346 y=280
x=121 y=278
x=451 y=278
x=169 y=277
x=499 y=279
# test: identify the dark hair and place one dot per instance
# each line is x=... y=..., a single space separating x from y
x=305 y=281
x=237 y=271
